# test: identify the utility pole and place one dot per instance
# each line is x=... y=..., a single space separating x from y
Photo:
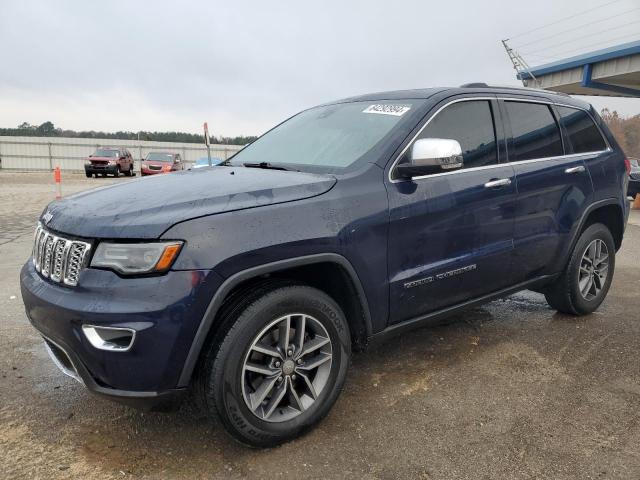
x=207 y=141
x=519 y=64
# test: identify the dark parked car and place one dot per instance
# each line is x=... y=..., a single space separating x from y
x=348 y=223
x=161 y=162
x=111 y=161
x=634 y=178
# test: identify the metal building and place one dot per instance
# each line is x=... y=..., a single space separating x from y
x=611 y=72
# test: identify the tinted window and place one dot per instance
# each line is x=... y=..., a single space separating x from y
x=471 y=124
x=535 y=132
x=583 y=133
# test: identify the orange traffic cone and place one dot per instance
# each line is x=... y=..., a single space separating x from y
x=57 y=177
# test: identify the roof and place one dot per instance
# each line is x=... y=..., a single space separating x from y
x=477 y=87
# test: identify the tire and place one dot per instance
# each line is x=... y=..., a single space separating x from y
x=117 y=172
x=129 y=172
x=230 y=385
x=87 y=174
x=569 y=293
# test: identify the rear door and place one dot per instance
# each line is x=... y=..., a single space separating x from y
x=451 y=233
x=554 y=187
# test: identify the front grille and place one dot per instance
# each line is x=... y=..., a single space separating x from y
x=58 y=258
x=155 y=167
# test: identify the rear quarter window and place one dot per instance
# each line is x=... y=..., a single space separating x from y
x=584 y=135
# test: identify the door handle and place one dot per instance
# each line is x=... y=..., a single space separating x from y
x=579 y=169
x=502 y=182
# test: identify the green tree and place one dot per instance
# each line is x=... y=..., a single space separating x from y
x=47 y=129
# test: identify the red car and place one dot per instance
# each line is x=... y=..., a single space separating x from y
x=109 y=160
x=161 y=162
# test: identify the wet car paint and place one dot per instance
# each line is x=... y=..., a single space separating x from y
x=145 y=208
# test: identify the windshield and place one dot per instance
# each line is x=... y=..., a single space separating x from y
x=103 y=152
x=328 y=138
x=160 y=157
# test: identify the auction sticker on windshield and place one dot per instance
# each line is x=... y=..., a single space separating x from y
x=386 y=109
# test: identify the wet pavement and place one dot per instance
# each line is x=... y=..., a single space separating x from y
x=508 y=390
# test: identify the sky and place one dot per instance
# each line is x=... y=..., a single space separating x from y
x=244 y=66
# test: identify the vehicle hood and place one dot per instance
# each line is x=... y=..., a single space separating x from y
x=101 y=159
x=156 y=163
x=145 y=208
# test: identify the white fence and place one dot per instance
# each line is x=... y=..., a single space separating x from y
x=46 y=153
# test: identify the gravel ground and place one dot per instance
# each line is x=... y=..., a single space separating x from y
x=509 y=390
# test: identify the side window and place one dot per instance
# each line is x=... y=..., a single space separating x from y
x=471 y=124
x=583 y=133
x=535 y=131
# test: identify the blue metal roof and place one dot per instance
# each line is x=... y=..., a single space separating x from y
x=609 y=53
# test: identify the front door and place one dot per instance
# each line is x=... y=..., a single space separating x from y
x=451 y=233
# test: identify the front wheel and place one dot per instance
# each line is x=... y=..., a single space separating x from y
x=280 y=367
x=584 y=283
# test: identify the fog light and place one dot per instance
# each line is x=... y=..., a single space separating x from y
x=112 y=339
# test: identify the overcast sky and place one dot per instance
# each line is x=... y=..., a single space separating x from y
x=243 y=66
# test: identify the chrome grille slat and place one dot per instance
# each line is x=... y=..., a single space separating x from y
x=57 y=266
x=57 y=258
x=47 y=251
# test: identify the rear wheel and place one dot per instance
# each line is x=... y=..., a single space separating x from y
x=280 y=367
x=129 y=171
x=584 y=284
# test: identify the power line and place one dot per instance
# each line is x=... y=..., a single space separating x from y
x=594 y=44
x=563 y=19
x=578 y=27
x=580 y=37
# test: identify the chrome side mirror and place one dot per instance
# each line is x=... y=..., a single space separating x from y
x=431 y=155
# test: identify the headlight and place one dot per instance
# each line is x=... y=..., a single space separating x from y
x=136 y=258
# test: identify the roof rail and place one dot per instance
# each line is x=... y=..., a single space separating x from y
x=512 y=87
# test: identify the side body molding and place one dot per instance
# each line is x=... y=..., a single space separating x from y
x=237 y=278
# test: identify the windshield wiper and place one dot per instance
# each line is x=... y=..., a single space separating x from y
x=267 y=165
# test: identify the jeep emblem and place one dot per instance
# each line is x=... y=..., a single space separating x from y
x=47 y=217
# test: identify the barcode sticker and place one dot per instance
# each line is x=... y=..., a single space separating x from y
x=387 y=109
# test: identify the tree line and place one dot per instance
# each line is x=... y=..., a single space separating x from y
x=626 y=131
x=48 y=129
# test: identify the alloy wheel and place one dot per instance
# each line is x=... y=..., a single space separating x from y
x=594 y=267
x=286 y=367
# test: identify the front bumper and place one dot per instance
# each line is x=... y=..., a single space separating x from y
x=148 y=171
x=95 y=168
x=165 y=311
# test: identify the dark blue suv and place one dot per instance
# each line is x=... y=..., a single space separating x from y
x=251 y=283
